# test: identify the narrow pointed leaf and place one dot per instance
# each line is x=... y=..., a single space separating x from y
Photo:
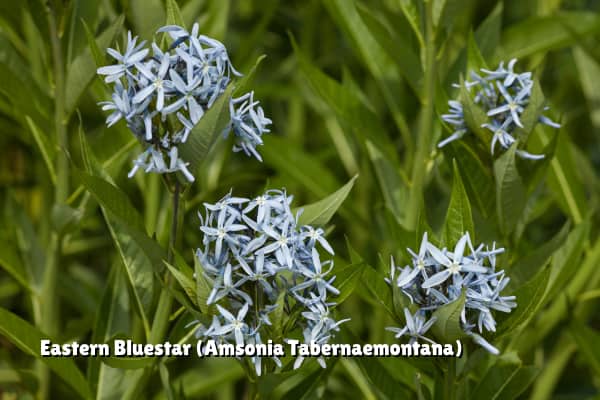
x=28 y=338
x=510 y=191
x=447 y=328
x=458 y=217
x=320 y=212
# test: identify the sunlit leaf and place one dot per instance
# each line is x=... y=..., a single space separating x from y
x=28 y=339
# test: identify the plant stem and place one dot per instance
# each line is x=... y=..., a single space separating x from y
x=49 y=304
x=425 y=123
x=449 y=385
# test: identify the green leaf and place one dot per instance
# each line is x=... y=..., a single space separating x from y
x=529 y=298
x=346 y=279
x=510 y=191
x=139 y=269
x=562 y=178
x=475 y=60
x=147 y=16
x=27 y=337
x=11 y=263
x=589 y=71
x=532 y=112
x=186 y=280
x=393 y=187
x=207 y=131
x=381 y=380
x=474 y=115
x=447 y=327
x=82 y=70
x=376 y=290
x=203 y=286
x=542 y=34
x=45 y=147
x=301 y=167
x=478 y=177
x=487 y=34
x=129 y=362
x=347 y=103
x=497 y=377
x=113 y=316
x=519 y=382
x=174 y=16
x=141 y=255
x=437 y=10
x=458 y=217
x=244 y=85
x=588 y=341
x=397 y=48
x=376 y=60
x=320 y=212
x=566 y=259
x=529 y=265
x=97 y=54
x=113 y=199
x=414 y=19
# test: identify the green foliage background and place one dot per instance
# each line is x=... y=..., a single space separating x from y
x=353 y=87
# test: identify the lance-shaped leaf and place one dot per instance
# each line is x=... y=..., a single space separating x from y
x=532 y=112
x=82 y=70
x=393 y=186
x=588 y=341
x=510 y=191
x=28 y=338
x=529 y=298
x=478 y=177
x=45 y=146
x=244 y=85
x=346 y=279
x=474 y=115
x=212 y=125
x=498 y=377
x=447 y=326
x=320 y=212
x=546 y=33
x=458 y=217
x=141 y=255
x=174 y=16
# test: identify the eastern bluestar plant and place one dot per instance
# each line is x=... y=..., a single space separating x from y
x=438 y=277
x=503 y=94
x=163 y=94
x=259 y=260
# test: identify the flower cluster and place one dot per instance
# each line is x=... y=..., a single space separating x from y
x=438 y=277
x=259 y=260
x=503 y=94
x=163 y=94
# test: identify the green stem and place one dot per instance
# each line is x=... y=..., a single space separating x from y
x=449 y=382
x=48 y=317
x=425 y=124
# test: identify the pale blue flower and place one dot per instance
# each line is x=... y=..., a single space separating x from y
x=416 y=327
x=236 y=324
x=183 y=81
x=133 y=55
x=438 y=277
x=255 y=249
x=503 y=95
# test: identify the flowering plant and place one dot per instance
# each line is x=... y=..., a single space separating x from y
x=439 y=277
x=503 y=95
x=263 y=265
x=164 y=95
